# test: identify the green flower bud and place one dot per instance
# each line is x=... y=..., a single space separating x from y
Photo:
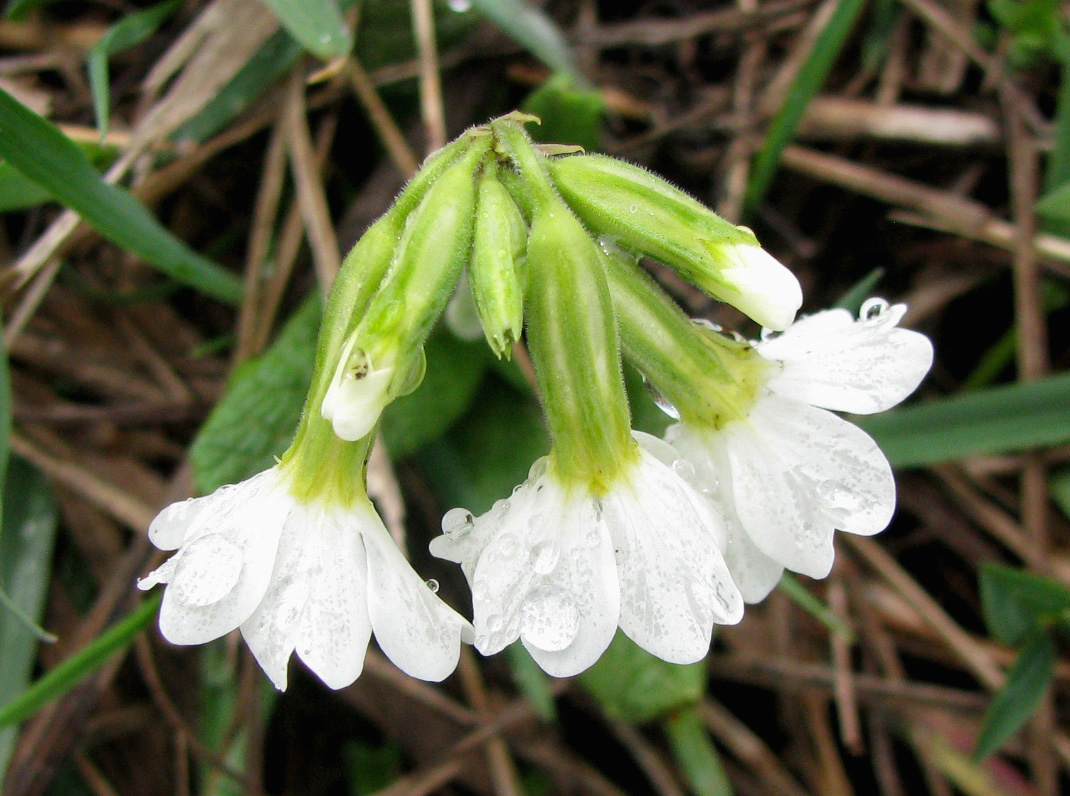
x=497 y=256
x=649 y=215
x=384 y=350
x=708 y=378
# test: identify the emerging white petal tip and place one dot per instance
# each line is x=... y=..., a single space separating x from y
x=760 y=286
x=358 y=393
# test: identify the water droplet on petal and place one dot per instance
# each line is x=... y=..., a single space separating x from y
x=506 y=545
x=544 y=557
x=538 y=469
x=684 y=469
x=457 y=522
x=432 y=584
x=592 y=539
x=494 y=623
x=549 y=618
x=873 y=309
x=661 y=401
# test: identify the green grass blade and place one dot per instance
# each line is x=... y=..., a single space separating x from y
x=1014 y=704
x=535 y=31
x=1058 y=169
x=67 y=674
x=317 y=24
x=128 y=32
x=19 y=192
x=696 y=755
x=26 y=542
x=790 y=585
x=35 y=147
x=1002 y=419
x=811 y=77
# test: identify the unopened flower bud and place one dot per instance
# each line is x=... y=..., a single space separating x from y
x=649 y=215
x=497 y=251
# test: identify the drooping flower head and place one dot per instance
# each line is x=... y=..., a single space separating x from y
x=781 y=472
x=604 y=533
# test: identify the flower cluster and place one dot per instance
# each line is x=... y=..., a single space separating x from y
x=662 y=538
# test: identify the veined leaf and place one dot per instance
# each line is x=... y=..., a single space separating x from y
x=1012 y=706
x=40 y=151
x=317 y=24
x=1002 y=419
x=127 y=33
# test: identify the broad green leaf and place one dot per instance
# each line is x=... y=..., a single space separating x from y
x=454 y=371
x=1016 y=602
x=633 y=686
x=128 y=32
x=64 y=676
x=317 y=24
x=535 y=31
x=1002 y=419
x=19 y=192
x=26 y=539
x=569 y=115
x=257 y=417
x=695 y=754
x=40 y=151
x=1027 y=682
x=809 y=80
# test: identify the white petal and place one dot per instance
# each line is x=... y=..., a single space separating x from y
x=848 y=476
x=760 y=286
x=414 y=628
x=755 y=573
x=673 y=579
x=335 y=629
x=239 y=582
x=185 y=520
x=358 y=393
x=837 y=362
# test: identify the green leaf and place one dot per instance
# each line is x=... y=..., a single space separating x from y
x=317 y=24
x=26 y=540
x=371 y=768
x=1059 y=489
x=1027 y=682
x=127 y=33
x=19 y=10
x=19 y=192
x=1002 y=419
x=696 y=755
x=535 y=31
x=1058 y=169
x=861 y=290
x=809 y=80
x=633 y=686
x=454 y=371
x=804 y=598
x=40 y=151
x=1053 y=210
x=569 y=115
x=256 y=419
x=1016 y=602
x=64 y=676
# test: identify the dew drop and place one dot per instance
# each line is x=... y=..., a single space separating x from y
x=538 y=469
x=549 y=618
x=432 y=584
x=591 y=539
x=494 y=623
x=661 y=401
x=325 y=38
x=457 y=522
x=834 y=494
x=544 y=557
x=633 y=209
x=506 y=545
x=684 y=469
x=873 y=309
x=459 y=6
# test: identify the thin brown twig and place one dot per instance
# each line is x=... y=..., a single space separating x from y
x=431 y=107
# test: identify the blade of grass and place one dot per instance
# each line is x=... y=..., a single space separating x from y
x=695 y=753
x=35 y=147
x=791 y=586
x=809 y=80
x=535 y=31
x=317 y=24
x=1058 y=171
x=65 y=675
x=26 y=542
x=1003 y=419
x=128 y=32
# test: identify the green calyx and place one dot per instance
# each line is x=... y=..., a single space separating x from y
x=710 y=378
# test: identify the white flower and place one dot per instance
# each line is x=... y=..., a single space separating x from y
x=359 y=391
x=759 y=286
x=789 y=474
x=560 y=568
x=298 y=577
